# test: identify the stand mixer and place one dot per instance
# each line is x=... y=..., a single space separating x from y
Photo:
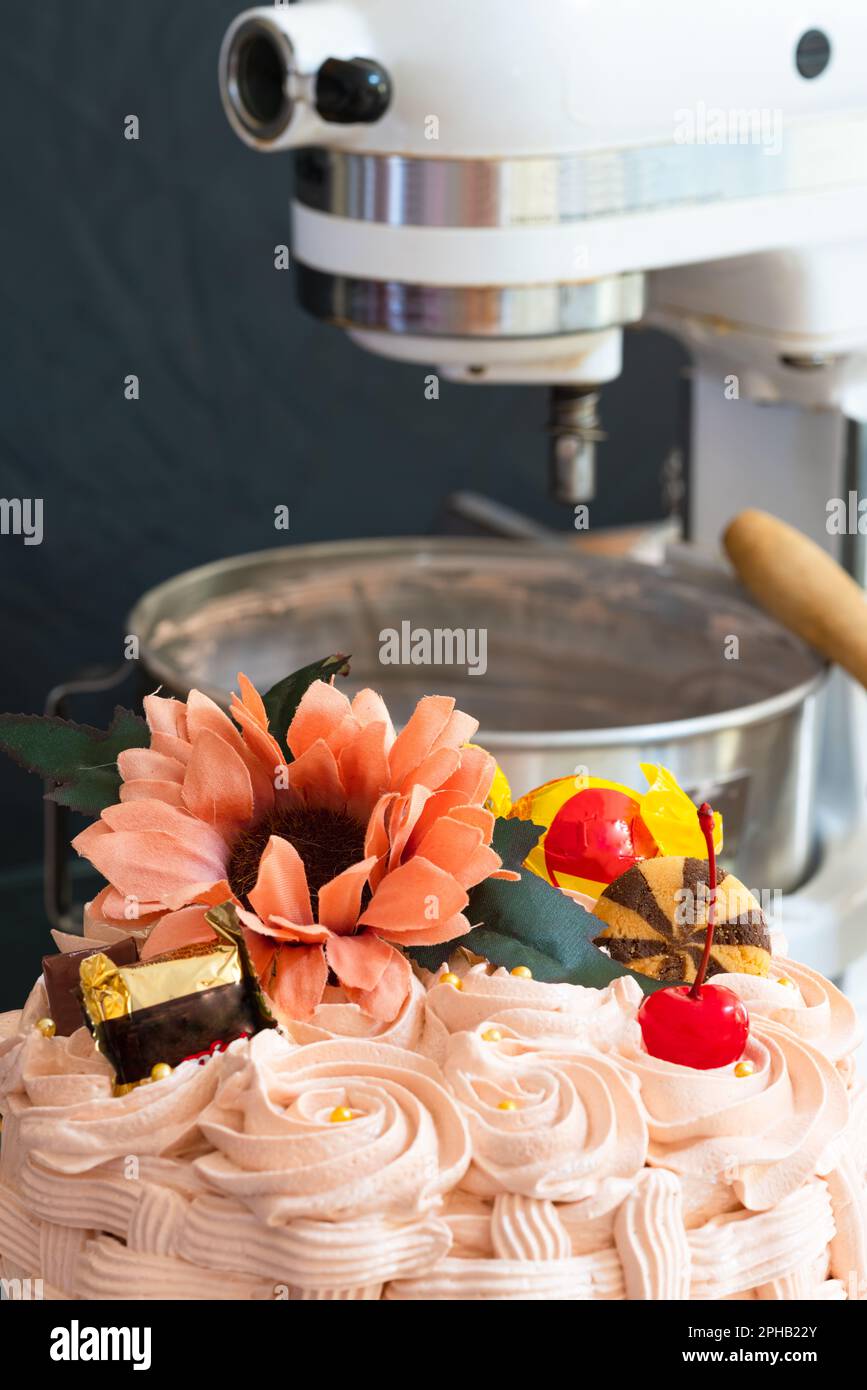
x=495 y=190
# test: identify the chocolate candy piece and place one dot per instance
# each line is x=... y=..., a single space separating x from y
x=113 y=991
x=176 y=1005
x=62 y=984
x=177 y=1030
x=656 y=921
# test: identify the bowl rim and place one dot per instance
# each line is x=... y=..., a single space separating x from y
x=149 y=609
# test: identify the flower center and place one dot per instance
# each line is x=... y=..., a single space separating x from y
x=327 y=841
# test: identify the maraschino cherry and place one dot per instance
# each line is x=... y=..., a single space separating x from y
x=698 y=1025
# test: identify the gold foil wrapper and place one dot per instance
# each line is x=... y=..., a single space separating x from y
x=115 y=991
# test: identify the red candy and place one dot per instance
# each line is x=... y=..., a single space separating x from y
x=597 y=834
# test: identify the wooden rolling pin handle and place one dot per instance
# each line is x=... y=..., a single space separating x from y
x=802 y=587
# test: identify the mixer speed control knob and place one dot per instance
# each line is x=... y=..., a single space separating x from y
x=352 y=91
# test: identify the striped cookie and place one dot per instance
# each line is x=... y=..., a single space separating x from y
x=656 y=921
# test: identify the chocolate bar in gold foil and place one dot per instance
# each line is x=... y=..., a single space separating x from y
x=61 y=973
x=176 y=1005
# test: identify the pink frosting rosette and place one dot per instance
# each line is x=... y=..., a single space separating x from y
x=806 y=1003
x=545 y=1123
x=766 y=1133
x=278 y=1151
x=527 y=1008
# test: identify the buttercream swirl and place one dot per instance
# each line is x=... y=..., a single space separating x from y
x=767 y=1132
x=527 y=1008
x=545 y=1123
x=278 y=1152
x=806 y=1003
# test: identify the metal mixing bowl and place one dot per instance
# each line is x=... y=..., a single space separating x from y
x=591 y=662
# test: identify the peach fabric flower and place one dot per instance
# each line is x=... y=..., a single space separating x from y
x=366 y=842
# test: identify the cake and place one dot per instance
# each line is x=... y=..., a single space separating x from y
x=447 y=1126
x=615 y=1176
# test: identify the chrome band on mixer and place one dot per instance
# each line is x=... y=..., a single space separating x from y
x=403 y=191
x=488 y=311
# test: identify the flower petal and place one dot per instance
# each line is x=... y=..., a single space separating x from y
x=314 y=777
x=321 y=711
x=432 y=935
x=474 y=776
x=299 y=979
x=281 y=929
x=186 y=927
x=262 y=952
x=450 y=844
x=434 y=770
x=412 y=745
x=135 y=763
x=438 y=804
x=359 y=962
x=184 y=828
x=417 y=894
x=165 y=716
x=368 y=707
x=172 y=793
x=281 y=887
x=363 y=769
x=459 y=730
x=376 y=841
x=176 y=748
x=252 y=701
x=385 y=1002
x=405 y=814
x=152 y=866
x=217 y=785
x=340 y=898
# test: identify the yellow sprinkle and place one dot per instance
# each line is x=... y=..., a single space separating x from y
x=784 y=980
x=492 y=1035
x=341 y=1114
x=508 y=1105
x=523 y=972
x=160 y=1070
x=745 y=1068
x=47 y=1027
x=451 y=979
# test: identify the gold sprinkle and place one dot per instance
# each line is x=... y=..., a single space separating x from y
x=340 y=1115
x=449 y=978
x=47 y=1027
x=784 y=980
x=492 y=1035
x=744 y=1068
x=523 y=972
x=508 y=1105
x=160 y=1070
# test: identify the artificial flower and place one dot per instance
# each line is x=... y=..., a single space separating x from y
x=365 y=842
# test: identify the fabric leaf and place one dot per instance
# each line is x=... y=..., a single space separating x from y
x=80 y=761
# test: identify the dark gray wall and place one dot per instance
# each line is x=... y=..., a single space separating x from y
x=156 y=257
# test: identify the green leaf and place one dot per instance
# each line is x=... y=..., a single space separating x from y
x=532 y=923
x=79 y=761
x=283 y=699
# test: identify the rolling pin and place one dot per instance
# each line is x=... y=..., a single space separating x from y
x=802 y=587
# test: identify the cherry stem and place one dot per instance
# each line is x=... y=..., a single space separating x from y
x=705 y=820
